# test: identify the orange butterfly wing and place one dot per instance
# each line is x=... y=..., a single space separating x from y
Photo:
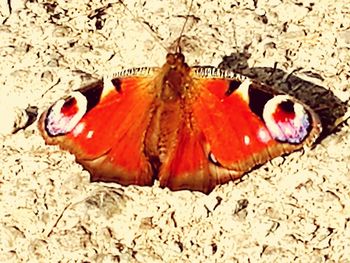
x=107 y=136
x=224 y=137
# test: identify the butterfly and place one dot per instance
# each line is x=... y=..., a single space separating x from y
x=188 y=127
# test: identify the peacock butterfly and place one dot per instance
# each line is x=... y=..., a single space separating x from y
x=190 y=128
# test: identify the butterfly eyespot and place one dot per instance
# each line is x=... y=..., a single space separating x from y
x=287 y=120
x=234 y=85
x=65 y=114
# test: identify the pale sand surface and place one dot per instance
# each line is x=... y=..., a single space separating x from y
x=293 y=209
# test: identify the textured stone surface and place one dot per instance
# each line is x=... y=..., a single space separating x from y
x=295 y=208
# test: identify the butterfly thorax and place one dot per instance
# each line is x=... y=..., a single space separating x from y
x=175 y=77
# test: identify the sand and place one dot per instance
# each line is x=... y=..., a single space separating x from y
x=295 y=208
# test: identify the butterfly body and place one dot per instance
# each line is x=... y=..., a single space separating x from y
x=190 y=128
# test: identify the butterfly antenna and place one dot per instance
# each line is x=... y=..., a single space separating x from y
x=146 y=26
x=183 y=28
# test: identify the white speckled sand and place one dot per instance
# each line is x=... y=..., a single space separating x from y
x=293 y=209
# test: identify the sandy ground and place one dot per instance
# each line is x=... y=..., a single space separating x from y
x=293 y=209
